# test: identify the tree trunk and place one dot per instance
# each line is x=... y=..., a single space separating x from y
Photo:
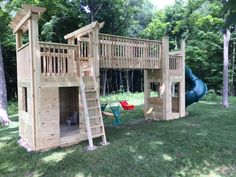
x=132 y=81
x=142 y=81
x=232 y=75
x=225 y=101
x=127 y=81
x=104 y=82
x=3 y=93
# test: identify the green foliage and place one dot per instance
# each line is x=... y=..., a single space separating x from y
x=157 y=28
x=212 y=96
x=230 y=11
x=200 y=24
x=48 y=29
x=12 y=107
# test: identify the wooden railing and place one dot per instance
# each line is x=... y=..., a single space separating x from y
x=58 y=59
x=124 y=52
x=175 y=64
x=84 y=52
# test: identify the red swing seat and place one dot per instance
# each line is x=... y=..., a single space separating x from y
x=126 y=105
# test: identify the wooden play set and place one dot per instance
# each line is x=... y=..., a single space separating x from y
x=58 y=90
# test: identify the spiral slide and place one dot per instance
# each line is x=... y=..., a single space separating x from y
x=197 y=88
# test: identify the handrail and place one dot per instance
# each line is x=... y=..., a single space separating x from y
x=58 y=59
x=124 y=52
x=23 y=46
x=59 y=44
x=125 y=37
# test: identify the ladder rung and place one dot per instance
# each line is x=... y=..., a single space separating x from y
x=96 y=126
x=91 y=99
x=98 y=135
x=94 y=117
x=95 y=107
x=88 y=77
x=87 y=90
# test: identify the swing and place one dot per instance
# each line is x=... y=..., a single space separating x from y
x=126 y=105
x=116 y=111
x=103 y=107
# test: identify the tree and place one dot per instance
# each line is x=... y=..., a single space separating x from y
x=230 y=11
x=3 y=93
x=4 y=18
x=200 y=24
x=225 y=100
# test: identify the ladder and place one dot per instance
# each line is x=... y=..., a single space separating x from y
x=92 y=109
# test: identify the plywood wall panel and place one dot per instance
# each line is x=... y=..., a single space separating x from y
x=49 y=127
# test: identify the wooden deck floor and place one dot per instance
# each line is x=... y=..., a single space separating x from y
x=71 y=135
x=66 y=130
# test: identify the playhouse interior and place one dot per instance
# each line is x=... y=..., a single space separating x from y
x=58 y=86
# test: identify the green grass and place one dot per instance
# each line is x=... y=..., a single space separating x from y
x=202 y=144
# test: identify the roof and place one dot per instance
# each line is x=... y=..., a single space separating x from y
x=24 y=14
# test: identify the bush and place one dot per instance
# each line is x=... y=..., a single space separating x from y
x=211 y=96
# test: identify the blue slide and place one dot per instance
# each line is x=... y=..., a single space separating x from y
x=197 y=87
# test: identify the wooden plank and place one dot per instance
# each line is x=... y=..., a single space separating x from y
x=22 y=21
x=84 y=30
x=182 y=108
x=35 y=9
x=165 y=83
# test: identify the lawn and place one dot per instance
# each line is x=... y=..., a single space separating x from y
x=202 y=144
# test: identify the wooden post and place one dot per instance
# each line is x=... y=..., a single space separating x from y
x=165 y=83
x=19 y=35
x=96 y=54
x=182 y=84
x=35 y=84
x=146 y=90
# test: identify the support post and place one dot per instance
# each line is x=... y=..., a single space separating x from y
x=165 y=83
x=146 y=90
x=96 y=54
x=35 y=69
x=182 y=84
x=19 y=35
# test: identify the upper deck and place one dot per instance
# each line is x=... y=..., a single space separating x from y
x=59 y=64
x=120 y=52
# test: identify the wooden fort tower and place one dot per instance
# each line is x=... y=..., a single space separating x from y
x=58 y=80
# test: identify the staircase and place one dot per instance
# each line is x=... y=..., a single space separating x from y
x=92 y=110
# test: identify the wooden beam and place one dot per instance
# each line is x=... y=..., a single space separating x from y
x=83 y=30
x=24 y=12
x=16 y=20
x=22 y=22
x=176 y=53
x=101 y=25
x=165 y=84
x=34 y=9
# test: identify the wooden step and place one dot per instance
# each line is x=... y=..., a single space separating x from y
x=91 y=99
x=87 y=78
x=96 y=126
x=90 y=90
x=97 y=135
x=94 y=117
x=95 y=107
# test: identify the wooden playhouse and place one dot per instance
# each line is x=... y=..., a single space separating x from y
x=56 y=81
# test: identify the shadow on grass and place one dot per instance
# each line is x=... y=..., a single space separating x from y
x=201 y=144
